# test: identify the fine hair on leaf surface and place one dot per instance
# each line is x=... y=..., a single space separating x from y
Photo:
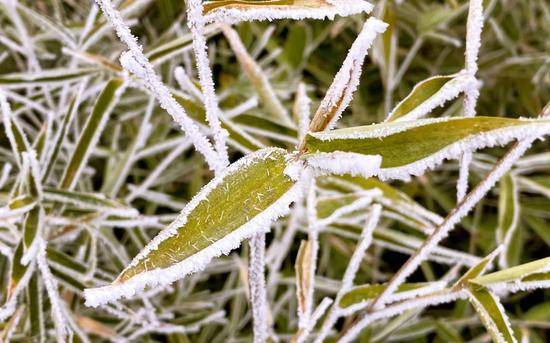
x=274 y=171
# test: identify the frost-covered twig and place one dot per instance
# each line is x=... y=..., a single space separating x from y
x=196 y=23
x=58 y=310
x=474 y=26
x=136 y=62
x=437 y=298
x=302 y=110
x=340 y=93
x=258 y=293
x=351 y=271
x=305 y=311
x=442 y=231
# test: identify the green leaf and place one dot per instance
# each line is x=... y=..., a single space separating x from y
x=17 y=271
x=517 y=273
x=91 y=132
x=32 y=227
x=435 y=16
x=366 y=292
x=62 y=133
x=422 y=91
x=508 y=217
x=478 y=269
x=47 y=77
x=492 y=315
x=540 y=227
x=411 y=147
x=36 y=308
x=244 y=200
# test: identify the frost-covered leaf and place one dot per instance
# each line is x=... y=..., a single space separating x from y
x=508 y=218
x=46 y=77
x=492 y=314
x=243 y=201
x=89 y=201
x=429 y=94
x=412 y=147
x=529 y=272
x=479 y=268
x=540 y=226
x=233 y=11
x=360 y=294
x=92 y=131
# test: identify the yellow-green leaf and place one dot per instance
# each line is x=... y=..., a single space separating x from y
x=424 y=91
x=362 y=293
x=492 y=315
x=244 y=200
x=409 y=148
x=91 y=132
x=508 y=218
x=514 y=274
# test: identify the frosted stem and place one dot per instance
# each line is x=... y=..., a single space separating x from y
x=258 y=294
x=138 y=64
x=340 y=92
x=351 y=271
x=196 y=23
x=474 y=26
x=460 y=211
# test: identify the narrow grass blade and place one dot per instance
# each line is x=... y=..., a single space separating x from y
x=50 y=77
x=508 y=218
x=492 y=314
x=91 y=132
x=427 y=95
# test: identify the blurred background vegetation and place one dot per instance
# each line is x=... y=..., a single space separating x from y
x=426 y=38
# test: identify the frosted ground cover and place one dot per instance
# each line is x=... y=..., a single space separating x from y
x=274 y=170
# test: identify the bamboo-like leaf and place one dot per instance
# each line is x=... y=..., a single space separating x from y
x=233 y=11
x=176 y=46
x=47 y=77
x=238 y=137
x=492 y=314
x=91 y=132
x=540 y=226
x=303 y=277
x=410 y=148
x=89 y=201
x=427 y=95
x=36 y=308
x=523 y=272
x=32 y=228
x=61 y=134
x=244 y=200
x=508 y=217
x=19 y=273
x=363 y=293
x=479 y=268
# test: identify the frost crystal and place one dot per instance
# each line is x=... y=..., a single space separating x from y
x=341 y=163
x=331 y=8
